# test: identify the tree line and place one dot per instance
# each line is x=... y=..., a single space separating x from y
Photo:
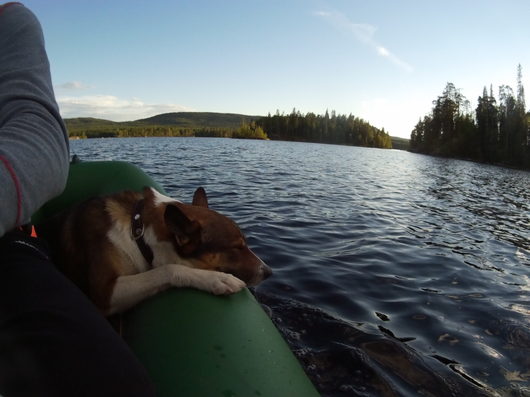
x=495 y=132
x=335 y=129
x=245 y=131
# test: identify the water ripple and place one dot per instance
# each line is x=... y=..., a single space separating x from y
x=395 y=273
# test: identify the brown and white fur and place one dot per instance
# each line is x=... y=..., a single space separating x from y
x=192 y=246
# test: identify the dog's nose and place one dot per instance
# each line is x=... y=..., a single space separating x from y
x=267 y=271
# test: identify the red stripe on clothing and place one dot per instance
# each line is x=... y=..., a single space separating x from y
x=11 y=171
x=6 y=162
x=4 y=6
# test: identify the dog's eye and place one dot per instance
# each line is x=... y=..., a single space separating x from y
x=235 y=255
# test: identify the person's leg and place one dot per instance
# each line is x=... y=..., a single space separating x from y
x=53 y=341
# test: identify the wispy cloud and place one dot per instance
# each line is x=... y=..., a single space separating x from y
x=73 y=85
x=363 y=33
x=112 y=108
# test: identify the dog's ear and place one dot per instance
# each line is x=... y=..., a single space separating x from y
x=187 y=232
x=199 y=198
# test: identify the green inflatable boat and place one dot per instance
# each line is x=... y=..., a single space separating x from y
x=193 y=343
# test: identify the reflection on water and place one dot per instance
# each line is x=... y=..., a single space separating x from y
x=395 y=274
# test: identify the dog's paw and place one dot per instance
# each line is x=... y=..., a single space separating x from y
x=223 y=284
x=214 y=282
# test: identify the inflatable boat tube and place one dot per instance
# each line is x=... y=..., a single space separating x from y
x=193 y=343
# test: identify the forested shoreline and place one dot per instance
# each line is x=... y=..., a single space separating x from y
x=334 y=129
x=245 y=131
x=495 y=132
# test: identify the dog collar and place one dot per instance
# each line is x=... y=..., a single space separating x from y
x=137 y=232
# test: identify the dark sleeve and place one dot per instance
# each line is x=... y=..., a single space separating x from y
x=33 y=140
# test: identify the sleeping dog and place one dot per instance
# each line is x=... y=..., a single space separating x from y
x=123 y=248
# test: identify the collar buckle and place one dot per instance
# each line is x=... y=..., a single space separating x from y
x=138 y=230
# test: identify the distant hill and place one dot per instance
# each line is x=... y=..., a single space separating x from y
x=168 y=124
x=199 y=119
x=400 y=143
x=173 y=124
x=88 y=122
x=180 y=119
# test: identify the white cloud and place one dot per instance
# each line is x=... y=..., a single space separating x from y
x=112 y=108
x=73 y=85
x=364 y=33
x=383 y=51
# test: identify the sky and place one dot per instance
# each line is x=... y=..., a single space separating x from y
x=383 y=61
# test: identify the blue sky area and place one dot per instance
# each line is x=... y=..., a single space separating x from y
x=384 y=61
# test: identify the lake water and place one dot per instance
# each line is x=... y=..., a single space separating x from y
x=395 y=274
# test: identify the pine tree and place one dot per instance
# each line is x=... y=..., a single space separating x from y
x=506 y=121
x=442 y=137
x=487 y=125
x=519 y=146
x=520 y=89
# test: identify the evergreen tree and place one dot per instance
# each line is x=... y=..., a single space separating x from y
x=447 y=109
x=337 y=129
x=500 y=134
x=506 y=118
x=487 y=125
x=417 y=137
x=520 y=89
x=519 y=143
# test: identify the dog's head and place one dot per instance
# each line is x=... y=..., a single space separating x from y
x=208 y=240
